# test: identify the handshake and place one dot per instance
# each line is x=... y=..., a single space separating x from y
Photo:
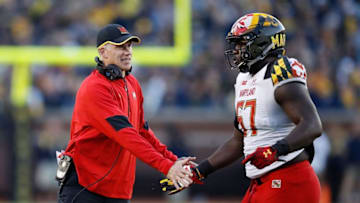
x=173 y=187
x=185 y=172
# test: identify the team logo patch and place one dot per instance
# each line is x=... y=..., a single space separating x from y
x=298 y=70
x=122 y=30
x=276 y=183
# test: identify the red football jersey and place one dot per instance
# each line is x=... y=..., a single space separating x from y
x=108 y=133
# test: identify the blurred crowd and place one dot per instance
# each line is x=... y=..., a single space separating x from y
x=323 y=34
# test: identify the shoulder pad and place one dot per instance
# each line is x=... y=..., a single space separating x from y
x=286 y=69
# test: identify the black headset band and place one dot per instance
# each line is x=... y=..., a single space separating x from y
x=111 y=71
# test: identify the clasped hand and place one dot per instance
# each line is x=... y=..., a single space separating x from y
x=181 y=175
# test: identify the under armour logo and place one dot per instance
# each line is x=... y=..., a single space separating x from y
x=267 y=153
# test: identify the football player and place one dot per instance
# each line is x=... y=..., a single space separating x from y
x=276 y=121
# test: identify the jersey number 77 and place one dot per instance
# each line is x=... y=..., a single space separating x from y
x=241 y=106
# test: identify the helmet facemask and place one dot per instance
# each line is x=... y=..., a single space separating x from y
x=245 y=50
x=237 y=53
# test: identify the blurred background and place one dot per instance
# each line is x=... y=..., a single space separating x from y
x=189 y=103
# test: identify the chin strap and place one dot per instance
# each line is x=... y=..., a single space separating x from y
x=243 y=67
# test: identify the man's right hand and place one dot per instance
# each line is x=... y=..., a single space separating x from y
x=179 y=175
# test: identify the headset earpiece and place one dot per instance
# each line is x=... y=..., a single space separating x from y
x=112 y=72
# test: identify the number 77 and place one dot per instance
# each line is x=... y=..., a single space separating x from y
x=242 y=105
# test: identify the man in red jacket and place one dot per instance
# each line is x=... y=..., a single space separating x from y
x=108 y=131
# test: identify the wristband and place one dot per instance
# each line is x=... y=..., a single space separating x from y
x=205 y=168
x=282 y=147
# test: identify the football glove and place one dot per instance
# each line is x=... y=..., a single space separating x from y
x=168 y=186
x=262 y=157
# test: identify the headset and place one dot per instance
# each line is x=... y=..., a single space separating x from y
x=111 y=72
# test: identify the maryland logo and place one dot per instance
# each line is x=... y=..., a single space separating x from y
x=298 y=69
x=122 y=30
x=283 y=70
x=250 y=21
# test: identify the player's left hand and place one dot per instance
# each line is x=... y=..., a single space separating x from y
x=262 y=157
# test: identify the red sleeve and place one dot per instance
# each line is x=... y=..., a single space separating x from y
x=148 y=134
x=105 y=115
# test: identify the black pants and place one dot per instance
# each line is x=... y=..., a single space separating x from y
x=70 y=192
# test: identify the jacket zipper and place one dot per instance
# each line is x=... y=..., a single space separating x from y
x=127 y=93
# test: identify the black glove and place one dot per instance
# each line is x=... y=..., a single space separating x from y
x=168 y=186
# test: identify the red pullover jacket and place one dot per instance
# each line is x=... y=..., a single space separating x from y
x=108 y=132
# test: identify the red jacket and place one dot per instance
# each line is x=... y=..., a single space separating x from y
x=108 y=132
